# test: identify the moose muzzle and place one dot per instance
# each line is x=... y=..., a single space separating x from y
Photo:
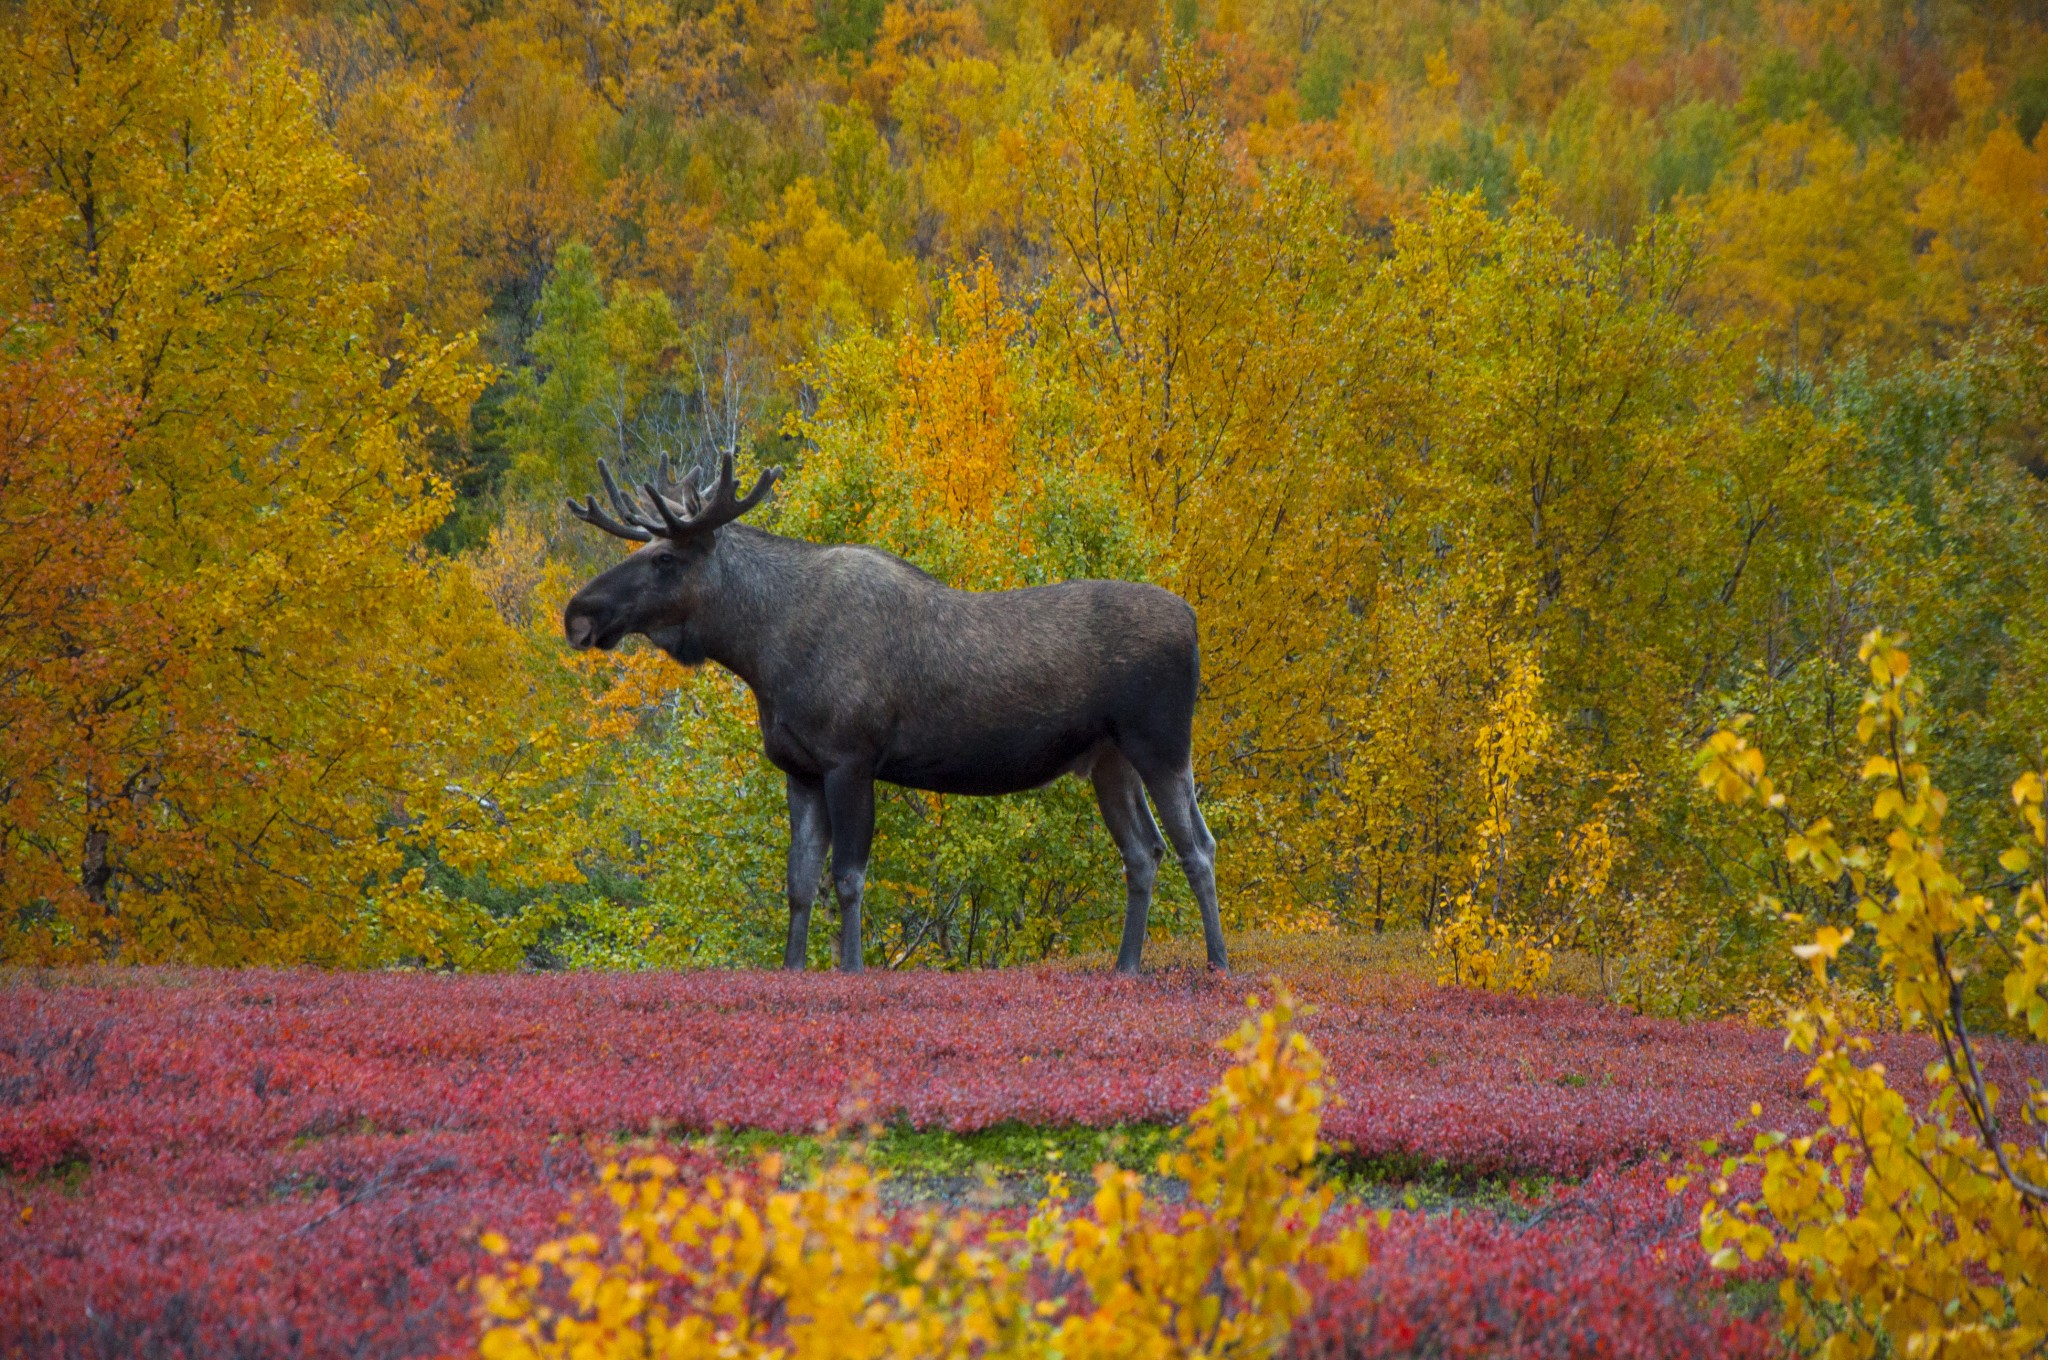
x=584 y=629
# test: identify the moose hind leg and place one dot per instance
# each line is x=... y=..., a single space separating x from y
x=850 y=806
x=1121 y=796
x=809 y=838
x=1174 y=794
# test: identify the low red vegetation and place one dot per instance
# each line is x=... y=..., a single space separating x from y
x=297 y=1164
x=1610 y=1268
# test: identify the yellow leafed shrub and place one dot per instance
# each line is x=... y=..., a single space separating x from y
x=732 y=1266
x=1477 y=946
x=1476 y=949
x=1909 y=1227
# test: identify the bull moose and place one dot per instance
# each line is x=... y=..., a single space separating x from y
x=865 y=667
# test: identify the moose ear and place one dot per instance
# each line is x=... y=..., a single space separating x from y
x=697 y=486
x=683 y=490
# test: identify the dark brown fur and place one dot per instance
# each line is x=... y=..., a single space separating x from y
x=866 y=668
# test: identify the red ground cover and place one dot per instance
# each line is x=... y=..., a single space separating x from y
x=298 y=1163
x=1610 y=1268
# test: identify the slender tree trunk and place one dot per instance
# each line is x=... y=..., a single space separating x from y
x=96 y=869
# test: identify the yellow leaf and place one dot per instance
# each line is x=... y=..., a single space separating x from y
x=1827 y=942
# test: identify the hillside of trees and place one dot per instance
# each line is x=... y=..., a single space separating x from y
x=1518 y=390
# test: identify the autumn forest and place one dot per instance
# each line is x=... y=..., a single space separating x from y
x=1516 y=391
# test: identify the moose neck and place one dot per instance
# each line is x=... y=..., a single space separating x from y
x=754 y=576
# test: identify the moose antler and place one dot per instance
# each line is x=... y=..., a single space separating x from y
x=635 y=527
x=681 y=507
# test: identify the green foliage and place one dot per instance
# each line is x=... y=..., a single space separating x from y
x=1323 y=78
x=2030 y=104
x=1786 y=84
x=1699 y=138
x=846 y=27
x=604 y=382
x=1004 y=1150
x=1474 y=161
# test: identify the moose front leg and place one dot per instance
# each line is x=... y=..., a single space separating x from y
x=809 y=838
x=850 y=805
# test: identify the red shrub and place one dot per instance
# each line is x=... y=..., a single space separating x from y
x=1610 y=1269
x=298 y=1163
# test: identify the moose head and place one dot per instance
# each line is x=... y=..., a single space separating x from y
x=660 y=590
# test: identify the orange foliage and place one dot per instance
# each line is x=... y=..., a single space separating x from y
x=918 y=33
x=75 y=661
x=961 y=439
x=1815 y=241
x=1988 y=228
